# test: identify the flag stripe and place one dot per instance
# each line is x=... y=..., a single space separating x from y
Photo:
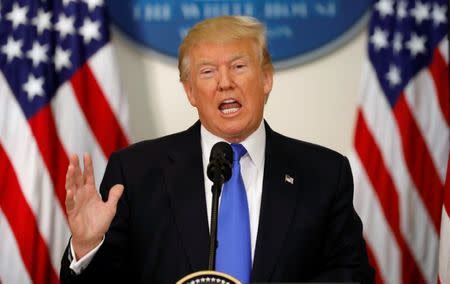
x=43 y=127
x=446 y=204
x=103 y=66
x=439 y=73
x=97 y=111
x=374 y=264
x=383 y=185
x=379 y=236
x=17 y=140
x=443 y=48
x=444 y=249
x=32 y=247
x=419 y=163
x=12 y=269
x=424 y=105
x=444 y=257
x=65 y=107
x=379 y=118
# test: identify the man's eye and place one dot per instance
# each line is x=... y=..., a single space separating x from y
x=206 y=71
x=239 y=66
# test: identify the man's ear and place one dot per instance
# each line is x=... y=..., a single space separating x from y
x=268 y=82
x=189 y=93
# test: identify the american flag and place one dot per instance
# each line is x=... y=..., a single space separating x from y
x=58 y=95
x=401 y=146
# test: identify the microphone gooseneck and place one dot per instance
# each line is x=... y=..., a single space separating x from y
x=218 y=171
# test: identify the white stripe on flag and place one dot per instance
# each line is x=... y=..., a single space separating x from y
x=423 y=102
x=444 y=249
x=73 y=130
x=22 y=150
x=443 y=48
x=103 y=65
x=376 y=230
x=12 y=269
x=416 y=228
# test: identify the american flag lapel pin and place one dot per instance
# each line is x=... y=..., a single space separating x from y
x=288 y=179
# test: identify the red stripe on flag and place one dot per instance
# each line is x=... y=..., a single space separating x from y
x=23 y=223
x=419 y=162
x=55 y=158
x=372 y=161
x=374 y=264
x=98 y=112
x=439 y=73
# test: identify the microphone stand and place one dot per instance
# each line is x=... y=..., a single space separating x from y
x=218 y=171
x=210 y=275
x=216 y=189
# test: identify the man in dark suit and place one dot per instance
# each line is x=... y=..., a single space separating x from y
x=152 y=226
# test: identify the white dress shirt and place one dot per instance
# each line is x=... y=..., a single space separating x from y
x=252 y=171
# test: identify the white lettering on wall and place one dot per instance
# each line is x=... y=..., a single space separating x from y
x=152 y=12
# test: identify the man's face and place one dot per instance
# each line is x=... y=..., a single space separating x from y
x=228 y=87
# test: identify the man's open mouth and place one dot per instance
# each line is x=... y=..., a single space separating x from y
x=229 y=106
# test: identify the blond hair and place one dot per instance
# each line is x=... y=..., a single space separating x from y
x=221 y=30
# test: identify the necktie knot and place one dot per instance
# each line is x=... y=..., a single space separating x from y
x=238 y=151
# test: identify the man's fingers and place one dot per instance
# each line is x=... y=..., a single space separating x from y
x=77 y=175
x=73 y=159
x=71 y=178
x=73 y=171
x=70 y=202
x=88 y=175
x=114 y=194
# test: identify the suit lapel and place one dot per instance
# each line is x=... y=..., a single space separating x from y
x=278 y=202
x=185 y=185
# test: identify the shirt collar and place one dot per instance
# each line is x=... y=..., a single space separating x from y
x=255 y=144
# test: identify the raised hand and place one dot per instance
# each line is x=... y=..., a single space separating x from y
x=89 y=217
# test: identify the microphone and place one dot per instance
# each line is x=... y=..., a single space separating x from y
x=218 y=171
x=220 y=163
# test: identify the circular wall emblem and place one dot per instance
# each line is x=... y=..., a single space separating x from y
x=297 y=31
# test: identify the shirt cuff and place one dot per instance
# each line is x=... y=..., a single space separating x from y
x=78 y=266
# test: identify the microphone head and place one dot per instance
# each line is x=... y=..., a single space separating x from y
x=220 y=162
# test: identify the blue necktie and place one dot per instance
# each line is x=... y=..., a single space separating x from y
x=234 y=253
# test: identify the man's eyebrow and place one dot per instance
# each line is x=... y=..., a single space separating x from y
x=239 y=56
x=203 y=62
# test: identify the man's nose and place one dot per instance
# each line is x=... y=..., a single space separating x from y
x=225 y=80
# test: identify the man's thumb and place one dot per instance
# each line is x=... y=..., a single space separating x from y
x=114 y=194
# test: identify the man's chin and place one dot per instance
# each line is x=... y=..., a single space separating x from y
x=231 y=130
x=233 y=135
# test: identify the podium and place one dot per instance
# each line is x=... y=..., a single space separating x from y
x=208 y=277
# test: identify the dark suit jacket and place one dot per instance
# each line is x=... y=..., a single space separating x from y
x=308 y=230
